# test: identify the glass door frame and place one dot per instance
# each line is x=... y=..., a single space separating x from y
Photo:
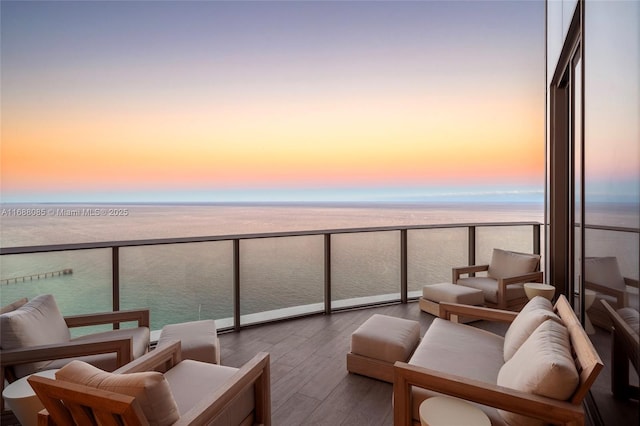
x=566 y=168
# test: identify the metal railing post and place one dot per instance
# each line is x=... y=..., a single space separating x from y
x=327 y=274
x=536 y=239
x=115 y=281
x=236 y=284
x=404 y=285
x=472 y=248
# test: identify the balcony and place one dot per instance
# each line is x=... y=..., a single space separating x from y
x=334 y=280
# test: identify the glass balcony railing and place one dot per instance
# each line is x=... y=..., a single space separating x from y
x=247 y=279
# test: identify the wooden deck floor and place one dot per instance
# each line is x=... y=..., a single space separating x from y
x=310 y=384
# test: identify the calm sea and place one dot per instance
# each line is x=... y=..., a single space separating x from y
x=183 y=282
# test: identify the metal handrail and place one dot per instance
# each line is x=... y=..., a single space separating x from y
x=252 y=236
x=235 y=239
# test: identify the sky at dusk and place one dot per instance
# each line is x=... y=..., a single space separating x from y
x=240 y=101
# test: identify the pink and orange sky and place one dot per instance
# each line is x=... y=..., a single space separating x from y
x=224 y=101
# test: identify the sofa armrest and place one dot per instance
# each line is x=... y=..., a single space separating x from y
x=531 y=277
x=407 y=375
x=114 y=317
x=462 y=270
x=160 y=359
x=632 y=282
x=620 y=295
x=256 y=373
x=478 y=312
x=123 y=347
x=625 y=334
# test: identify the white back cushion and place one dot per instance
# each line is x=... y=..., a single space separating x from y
x=534 y=313
x=604 y=271
x=509 y=263
x=37 y=322
x=542 y=366
x=150 y=389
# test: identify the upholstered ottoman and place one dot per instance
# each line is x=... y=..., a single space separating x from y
x=199 y=340
x=433 y=294
x=379 y=342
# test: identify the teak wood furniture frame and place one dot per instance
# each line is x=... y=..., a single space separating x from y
x=122 y=347
x=501 y=283
x=91 y=406
x=569 y=412
x=625 y=347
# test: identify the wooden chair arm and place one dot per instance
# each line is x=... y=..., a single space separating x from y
x=407 y=375
x=160 y=359
x=628 y=335
x=531 y=277
x=115 y=317
x=631 y=282
x=620 y=295
x=256 y=372
x=461 y=270
x=123 y=347
x=478 y=312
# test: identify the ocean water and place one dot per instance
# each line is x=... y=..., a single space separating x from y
x=280 y=276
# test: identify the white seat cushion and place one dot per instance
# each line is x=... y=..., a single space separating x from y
x=452 y=293
x=489 y=287
x=445 y=348
x=191 y=381
x=386 y=338
x=198 y=340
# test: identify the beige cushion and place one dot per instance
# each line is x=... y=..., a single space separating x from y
x=386 y=338
x=604 y=271
x=150 y=389
x=630 y=316
x=198 y=340
x=542 y=366
x=534 y=313
x=445 y=347
x=191 y=381
x=13 y=306
x=489 y=288
x=446 y=292
x=510 y=264
x=37 y=322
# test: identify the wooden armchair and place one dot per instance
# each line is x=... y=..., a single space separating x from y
x=506 y=274
x=35 y=337
x=625 y=348
x=410 y=380
x=204 y=393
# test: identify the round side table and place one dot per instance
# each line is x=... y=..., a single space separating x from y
x=538 y=289
x=22 y=400
x=447 y=411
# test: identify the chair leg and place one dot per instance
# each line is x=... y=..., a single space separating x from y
x=620 y=370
